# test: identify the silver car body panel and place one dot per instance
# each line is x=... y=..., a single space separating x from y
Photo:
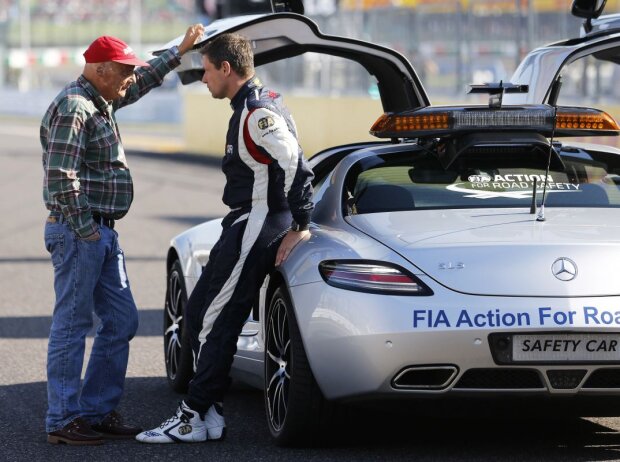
x=193 y=247
x=542 y=66
x=603 y=24
x=456 y=247
x=356 y=343
x=593 y=147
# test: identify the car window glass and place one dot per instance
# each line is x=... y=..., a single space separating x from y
x=321 y=74
x=593 y=82
x=314 y=85
x=419 y=182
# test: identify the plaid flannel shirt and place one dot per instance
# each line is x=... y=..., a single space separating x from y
x=85 y=169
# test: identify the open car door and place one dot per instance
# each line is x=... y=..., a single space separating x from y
x=283 y=35
x=600 y=40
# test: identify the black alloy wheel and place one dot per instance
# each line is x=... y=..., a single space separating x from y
x=177 y=349
x=277 y=364
x=297 y=412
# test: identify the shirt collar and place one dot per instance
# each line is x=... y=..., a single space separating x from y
x=237 y=101
x=95 y=96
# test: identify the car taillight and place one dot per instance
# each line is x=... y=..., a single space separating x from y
x=374 y=277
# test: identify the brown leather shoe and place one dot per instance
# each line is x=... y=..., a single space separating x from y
x=113 y=428
x=76 y=433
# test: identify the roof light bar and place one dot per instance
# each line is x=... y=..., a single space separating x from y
x=585 y=119
x=502 y=119
x=433 y=122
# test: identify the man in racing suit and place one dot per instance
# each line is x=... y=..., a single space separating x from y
x=267 y=181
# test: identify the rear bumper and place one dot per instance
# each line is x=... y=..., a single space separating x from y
x=365 y=345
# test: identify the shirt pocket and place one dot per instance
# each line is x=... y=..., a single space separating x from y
x=101 y=141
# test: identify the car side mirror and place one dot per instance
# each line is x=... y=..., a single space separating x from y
x=589 y=9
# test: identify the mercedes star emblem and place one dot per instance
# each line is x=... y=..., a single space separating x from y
x=564 y=269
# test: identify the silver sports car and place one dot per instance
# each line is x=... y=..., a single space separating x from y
x=469 y=250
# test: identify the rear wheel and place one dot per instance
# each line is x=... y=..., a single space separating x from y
x=295 y=406
x=177 y=349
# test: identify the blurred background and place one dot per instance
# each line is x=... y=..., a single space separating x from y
x=451 y=43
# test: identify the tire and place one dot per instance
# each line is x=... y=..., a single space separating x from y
x=177 y=349
x=296 y=409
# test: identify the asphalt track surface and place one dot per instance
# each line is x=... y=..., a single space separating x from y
x=174 y=192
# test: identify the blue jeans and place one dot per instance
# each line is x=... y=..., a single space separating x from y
x=88 y=276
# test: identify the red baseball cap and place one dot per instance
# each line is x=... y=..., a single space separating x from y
x=108 y=48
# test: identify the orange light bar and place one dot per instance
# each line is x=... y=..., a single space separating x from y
x=590 y=119
x=454 y=120
x=401 y=123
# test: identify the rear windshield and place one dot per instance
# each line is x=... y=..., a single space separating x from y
x=417 y=181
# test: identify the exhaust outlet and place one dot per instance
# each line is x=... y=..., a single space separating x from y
x=425 y=377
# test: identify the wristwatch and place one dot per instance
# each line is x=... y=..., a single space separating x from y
x=297 y=227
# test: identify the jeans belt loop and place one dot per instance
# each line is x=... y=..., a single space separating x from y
x=109 y=222
x=59 y=217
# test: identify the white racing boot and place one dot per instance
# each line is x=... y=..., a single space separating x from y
x=214 y=421
x=185 y=426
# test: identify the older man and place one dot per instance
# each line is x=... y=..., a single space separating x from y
x=87 y=186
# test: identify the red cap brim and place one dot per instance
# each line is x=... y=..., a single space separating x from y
x=132 y=61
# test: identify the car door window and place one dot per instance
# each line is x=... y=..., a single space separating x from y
x=593 y=81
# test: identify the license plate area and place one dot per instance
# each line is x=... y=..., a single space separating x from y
x=555 y=348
